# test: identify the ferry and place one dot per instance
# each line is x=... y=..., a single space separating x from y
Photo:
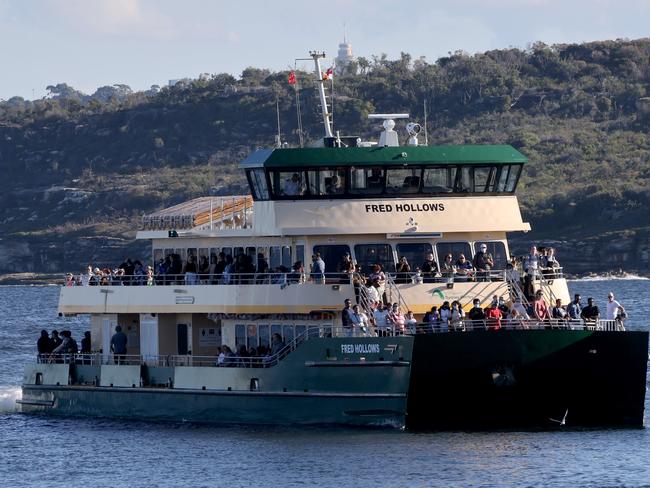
x=238 y=278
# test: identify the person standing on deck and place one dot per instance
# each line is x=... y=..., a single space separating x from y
x=612 y=307
x=317 y=269
x=540 y=308
x=346 y=321
x=574 y=309
x=118 y=345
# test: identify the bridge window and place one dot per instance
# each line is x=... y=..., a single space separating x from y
x=367 y=181
x=484 y=179
x=327 y=182
x=513 y=177
x=257 y=180
x=455 y=249
x=414 y=252
x=288 y=183
x=403 y=180
x=439 y=180
x=369 y=254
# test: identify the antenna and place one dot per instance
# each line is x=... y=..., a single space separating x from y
x=298 y=111
x=316 y=56
x=426 y=136
x=278 y=140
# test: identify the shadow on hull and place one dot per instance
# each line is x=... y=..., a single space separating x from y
x=537 y=379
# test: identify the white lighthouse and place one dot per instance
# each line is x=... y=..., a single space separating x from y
x=344 y=56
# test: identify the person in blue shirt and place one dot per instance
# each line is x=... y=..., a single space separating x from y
x=118 y=345
x=574 y=309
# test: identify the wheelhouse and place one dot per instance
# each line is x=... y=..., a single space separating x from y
x=383 y=172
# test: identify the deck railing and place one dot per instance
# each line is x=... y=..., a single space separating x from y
x=279 y=278
x=313 y=332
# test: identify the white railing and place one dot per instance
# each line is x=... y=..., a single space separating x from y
x=314 y=332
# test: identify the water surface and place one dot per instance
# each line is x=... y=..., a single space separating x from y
x=40 y=451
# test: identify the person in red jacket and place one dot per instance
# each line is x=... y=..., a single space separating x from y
x=494 y=316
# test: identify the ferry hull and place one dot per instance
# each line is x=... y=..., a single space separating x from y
x=477 y=380
x=217 y=407
x=528 y=379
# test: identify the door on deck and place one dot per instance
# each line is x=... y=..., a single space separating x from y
x=181 y=331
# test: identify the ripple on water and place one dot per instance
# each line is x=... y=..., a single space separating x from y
x=43 y=451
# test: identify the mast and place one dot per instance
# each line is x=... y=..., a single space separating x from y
x=316 y=56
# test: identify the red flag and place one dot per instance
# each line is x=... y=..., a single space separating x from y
x=329 y=74
x=292 y=78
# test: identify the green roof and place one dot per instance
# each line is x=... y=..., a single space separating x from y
x=382 y=156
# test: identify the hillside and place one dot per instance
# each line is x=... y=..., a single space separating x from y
x=82 y=169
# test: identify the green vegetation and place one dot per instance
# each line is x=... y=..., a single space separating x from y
x=580 y=113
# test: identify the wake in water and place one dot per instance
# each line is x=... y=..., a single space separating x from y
x=608 y=277
x=8 y=396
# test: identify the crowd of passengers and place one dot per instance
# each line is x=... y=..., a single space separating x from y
x=225 y=269
x=253 y=356
x=52 y=346
x=386 y=319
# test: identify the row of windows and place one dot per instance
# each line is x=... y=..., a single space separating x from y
x=398 y=181
x=365 y=255
x=254 y=335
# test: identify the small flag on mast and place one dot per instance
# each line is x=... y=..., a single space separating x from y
x=329 y=74
x=292 y=78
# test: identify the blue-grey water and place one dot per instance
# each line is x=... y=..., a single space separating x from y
x=37 y=451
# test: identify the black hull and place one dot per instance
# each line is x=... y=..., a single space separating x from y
x=528 y=379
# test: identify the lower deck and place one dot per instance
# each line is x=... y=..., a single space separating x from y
x=521 y=377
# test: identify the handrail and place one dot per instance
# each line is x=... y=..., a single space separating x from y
x=278 y=278
x=390 y=282
x=271 y=278
x=312 y=332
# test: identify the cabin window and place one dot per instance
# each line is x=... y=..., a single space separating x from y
x=276 y=329
x=288 y=183
x=455 y=249
x=287 y=334
x=403 y=180
x=332 y=254
x=251 y=336
x=414 y=252
x=261 y=261
x=203 y=264
x=367 y=181
x=498 y=251
x=263 y=331
x=439 y=180
x=158 y=256
x=326 y=182
x=257 y=180
x=300 y=253
x=369 y=254
x=286 y=257
x=275 y=257
x=240 y=336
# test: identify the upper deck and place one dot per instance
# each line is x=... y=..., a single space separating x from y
x=413 y=190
